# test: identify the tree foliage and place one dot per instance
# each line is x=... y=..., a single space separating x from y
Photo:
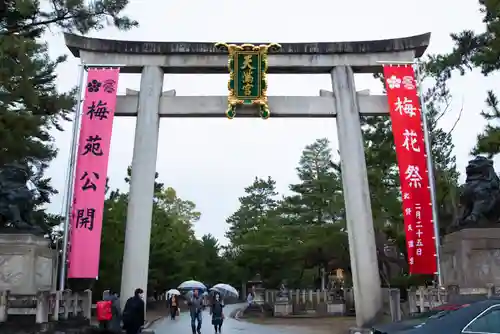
x=476 y=50
x=175 y=253
x=30 y=18
x=297 y=235
x=31 y=106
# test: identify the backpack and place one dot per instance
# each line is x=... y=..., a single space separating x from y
x=103 y=310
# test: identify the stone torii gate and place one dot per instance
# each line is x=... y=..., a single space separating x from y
x=341 y=60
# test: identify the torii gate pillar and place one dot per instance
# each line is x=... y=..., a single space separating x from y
x=341 y=60
x=362 y=248
x=140 y=209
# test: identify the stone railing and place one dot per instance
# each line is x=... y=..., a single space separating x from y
x=423 y=299
x=308 y=301
x=304 y=296
x=44 y=305
x=417 y=300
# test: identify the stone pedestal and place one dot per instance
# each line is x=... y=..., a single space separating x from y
x=471 y=258
x=336 y=308
x=282 y=308
x=26 y=264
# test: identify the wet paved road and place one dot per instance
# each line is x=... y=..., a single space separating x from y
x=182 y=324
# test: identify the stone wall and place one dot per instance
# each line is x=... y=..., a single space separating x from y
x=471 y=258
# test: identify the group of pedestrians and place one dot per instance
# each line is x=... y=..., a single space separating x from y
x=196 y=306
x=111 y=318
x=132 y=318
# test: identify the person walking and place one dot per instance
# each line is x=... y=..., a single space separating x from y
x=249 y=298
x=109 y=312
x=216 y=310
x=195 y=304
x=133 y=313
x=174 y=306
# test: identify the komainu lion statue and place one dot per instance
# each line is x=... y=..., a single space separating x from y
x=17 y=202
x=480 y=197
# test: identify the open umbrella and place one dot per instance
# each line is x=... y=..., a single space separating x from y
x=173 y=292
x=225 y=289
x=192 y=285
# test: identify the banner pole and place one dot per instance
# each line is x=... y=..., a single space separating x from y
x=430 y=170
x=71 y=177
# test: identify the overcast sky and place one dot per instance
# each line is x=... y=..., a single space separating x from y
x=210 y=161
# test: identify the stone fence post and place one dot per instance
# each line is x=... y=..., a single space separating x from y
x=57 y=305
x=412 y=300
x=421 y=295
x=395 y=304
x=87 y=304
x=491 y=290
x=4 y=305
x=67 y=303
x=75 y=298
x=42 y=307
x=452 y=293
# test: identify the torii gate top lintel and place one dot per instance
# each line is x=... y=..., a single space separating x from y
x=204 y=57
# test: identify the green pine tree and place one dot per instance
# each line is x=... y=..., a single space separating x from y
x=488 y=142
x=258 y=243
x=475 y=50
x=259 y=200
x=318 y=197
x=31 y=18
x=313 y=216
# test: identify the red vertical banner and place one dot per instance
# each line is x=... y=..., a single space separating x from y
x=98 y=112
x=406 y=118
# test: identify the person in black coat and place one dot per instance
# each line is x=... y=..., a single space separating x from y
x=216 y=310
x=133 y=313
x=173 y=304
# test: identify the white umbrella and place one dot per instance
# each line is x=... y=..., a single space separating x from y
x=173 y=292
x=226 y=289
x=192 y=285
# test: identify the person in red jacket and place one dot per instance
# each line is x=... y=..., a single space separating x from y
x=108 y=312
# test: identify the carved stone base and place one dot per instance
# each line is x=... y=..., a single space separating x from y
x=26 y=264
x=282 y=309
x=333 y=308
x=470 y=258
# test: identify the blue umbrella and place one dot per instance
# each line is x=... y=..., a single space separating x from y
x=192 y=285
